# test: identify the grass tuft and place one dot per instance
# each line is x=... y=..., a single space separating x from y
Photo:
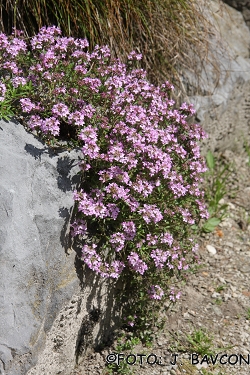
x=169 y=33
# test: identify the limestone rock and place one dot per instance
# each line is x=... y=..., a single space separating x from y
x=211 y=249
x=242 y=6
x=39 y=274
x=220 y=91
x=36 y=274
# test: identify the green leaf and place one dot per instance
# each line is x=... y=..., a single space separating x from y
x=194 y=227
x=211 y=224
x=210 y=160
x=223 y=206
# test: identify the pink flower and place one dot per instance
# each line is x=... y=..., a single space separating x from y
x=117 y=240
x=151 y=213
x=129 y=229
x=173 y=295
x=166 y=238
x=116 y=268
x=136 y=263
x=50 y=125
x=113 y=210
x=78 y=227
x=60 y=110
x=134 y=56
x=91 y=149
x=17 y=81
x=116 y=191
x=141 y=162
x=15 y=46
x=27 y=105
x=88 y=133
x=160 y=257
x=2 y=92
x=156 y=292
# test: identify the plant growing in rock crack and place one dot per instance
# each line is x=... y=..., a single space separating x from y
x=198 y=341
x=247 y=149
x=125 y=344
x=141 y=166
x=220 y=288
x=248 y=314
x=216 y=189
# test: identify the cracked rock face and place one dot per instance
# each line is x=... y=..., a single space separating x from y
x=37 y=275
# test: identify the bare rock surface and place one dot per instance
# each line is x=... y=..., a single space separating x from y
x=36 y=274
x=40 y=275
x=220 y=87
x=242 y=6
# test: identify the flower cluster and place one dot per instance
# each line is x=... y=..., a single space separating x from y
x=136 y=263
x=141 y=162
x=173 y=295
x=95 y=263
x=155 y=292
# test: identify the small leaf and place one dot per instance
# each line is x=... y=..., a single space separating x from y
x=210 y=160
x=194 y=227
x=211 y=210
x=224 y=206
x=211 y=224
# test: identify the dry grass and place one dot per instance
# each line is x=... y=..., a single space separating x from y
x=172 y=35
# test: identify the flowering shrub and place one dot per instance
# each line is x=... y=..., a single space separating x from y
x=141 y=163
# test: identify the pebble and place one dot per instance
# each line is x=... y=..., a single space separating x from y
x=233 y=288
x=222 y=280
x=231 y=205
x=229 y=244
x=191 y=312
x=227 y=223
x=217 y=310
x=186 y=315
x=200 y=366
x=211 y=249
x=216 y=295
x=99 y=357
x=245 y=269
x=227 y=297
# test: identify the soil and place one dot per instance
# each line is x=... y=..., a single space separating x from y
x=214 y=303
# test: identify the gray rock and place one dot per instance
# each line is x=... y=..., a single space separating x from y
x=242 y=6
x=36 y=274
x=211 y=249
x=215 y=295
x=43 y=288
x=217 y=310
x=221 y=94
